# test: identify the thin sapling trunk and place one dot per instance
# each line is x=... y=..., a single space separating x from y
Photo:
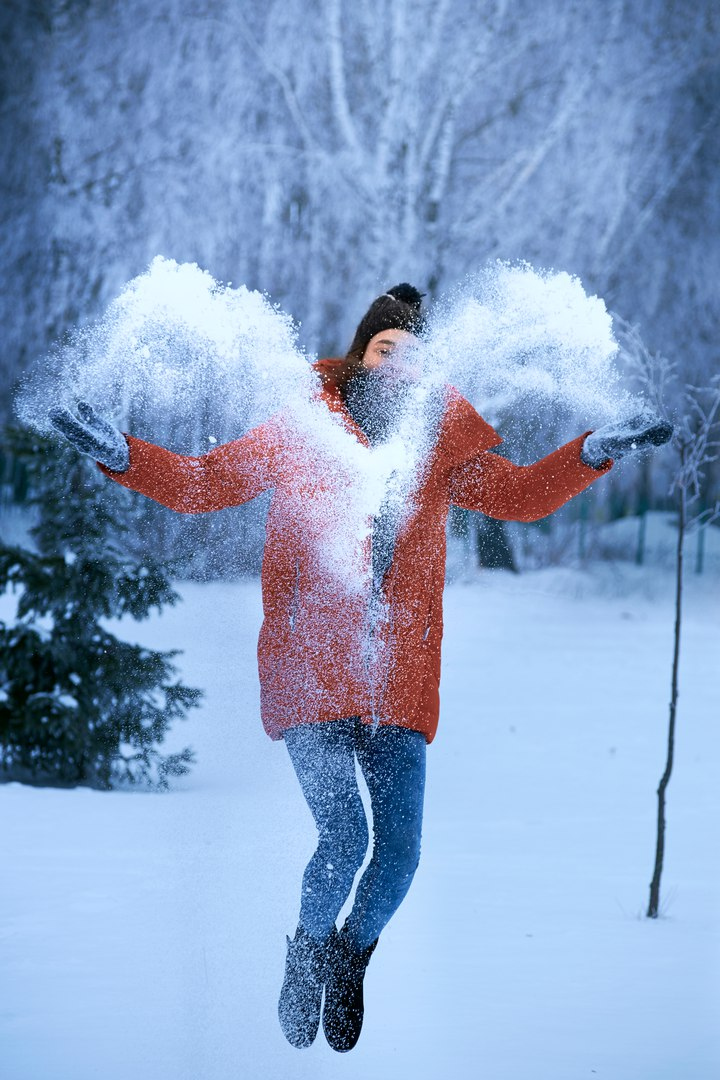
x=654 y=904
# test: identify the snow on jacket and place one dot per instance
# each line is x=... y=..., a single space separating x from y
x=312 y=649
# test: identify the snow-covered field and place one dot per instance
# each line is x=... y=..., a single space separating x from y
x=143 y=935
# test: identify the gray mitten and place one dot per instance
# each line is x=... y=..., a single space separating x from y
x=92 y=435
x=623 y=437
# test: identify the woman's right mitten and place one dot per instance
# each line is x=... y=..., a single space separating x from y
x=93 y=435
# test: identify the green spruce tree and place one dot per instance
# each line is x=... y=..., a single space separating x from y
x=78 y=705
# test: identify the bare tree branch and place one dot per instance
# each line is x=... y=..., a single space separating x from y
x=652 y=373
x=342 y=111
x=661 y=192
x=354 y=179
x=574 y=94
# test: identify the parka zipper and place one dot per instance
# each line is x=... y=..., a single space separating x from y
x=295 y=597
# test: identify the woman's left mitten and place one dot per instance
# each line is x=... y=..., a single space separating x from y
x=613 y=441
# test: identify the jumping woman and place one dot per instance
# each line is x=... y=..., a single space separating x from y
x=354 y=674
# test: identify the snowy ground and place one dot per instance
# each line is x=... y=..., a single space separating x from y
x=142 y=936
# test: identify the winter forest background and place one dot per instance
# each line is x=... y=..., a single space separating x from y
x=319 y=152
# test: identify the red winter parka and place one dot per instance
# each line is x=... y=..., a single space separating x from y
x=311 y=652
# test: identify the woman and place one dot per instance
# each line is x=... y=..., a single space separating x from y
x=350 y=672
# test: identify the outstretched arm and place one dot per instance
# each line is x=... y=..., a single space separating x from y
x=496 y=487
x=227 y=476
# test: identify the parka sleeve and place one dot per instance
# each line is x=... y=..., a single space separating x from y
x=493 y=485
x=229 y=475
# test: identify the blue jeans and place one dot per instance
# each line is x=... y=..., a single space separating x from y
x=393 y=764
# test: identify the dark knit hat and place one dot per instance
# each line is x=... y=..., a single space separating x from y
x=397 y=309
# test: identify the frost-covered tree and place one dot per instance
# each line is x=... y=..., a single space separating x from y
x=692 y=478
x=78 y=705
x=698 y=446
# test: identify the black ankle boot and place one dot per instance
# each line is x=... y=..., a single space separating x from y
x=301 y=993
x=344 y=1006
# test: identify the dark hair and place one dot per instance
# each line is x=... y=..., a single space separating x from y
x=397 y=309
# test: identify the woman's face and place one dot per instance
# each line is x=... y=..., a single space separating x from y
x=393 y=351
